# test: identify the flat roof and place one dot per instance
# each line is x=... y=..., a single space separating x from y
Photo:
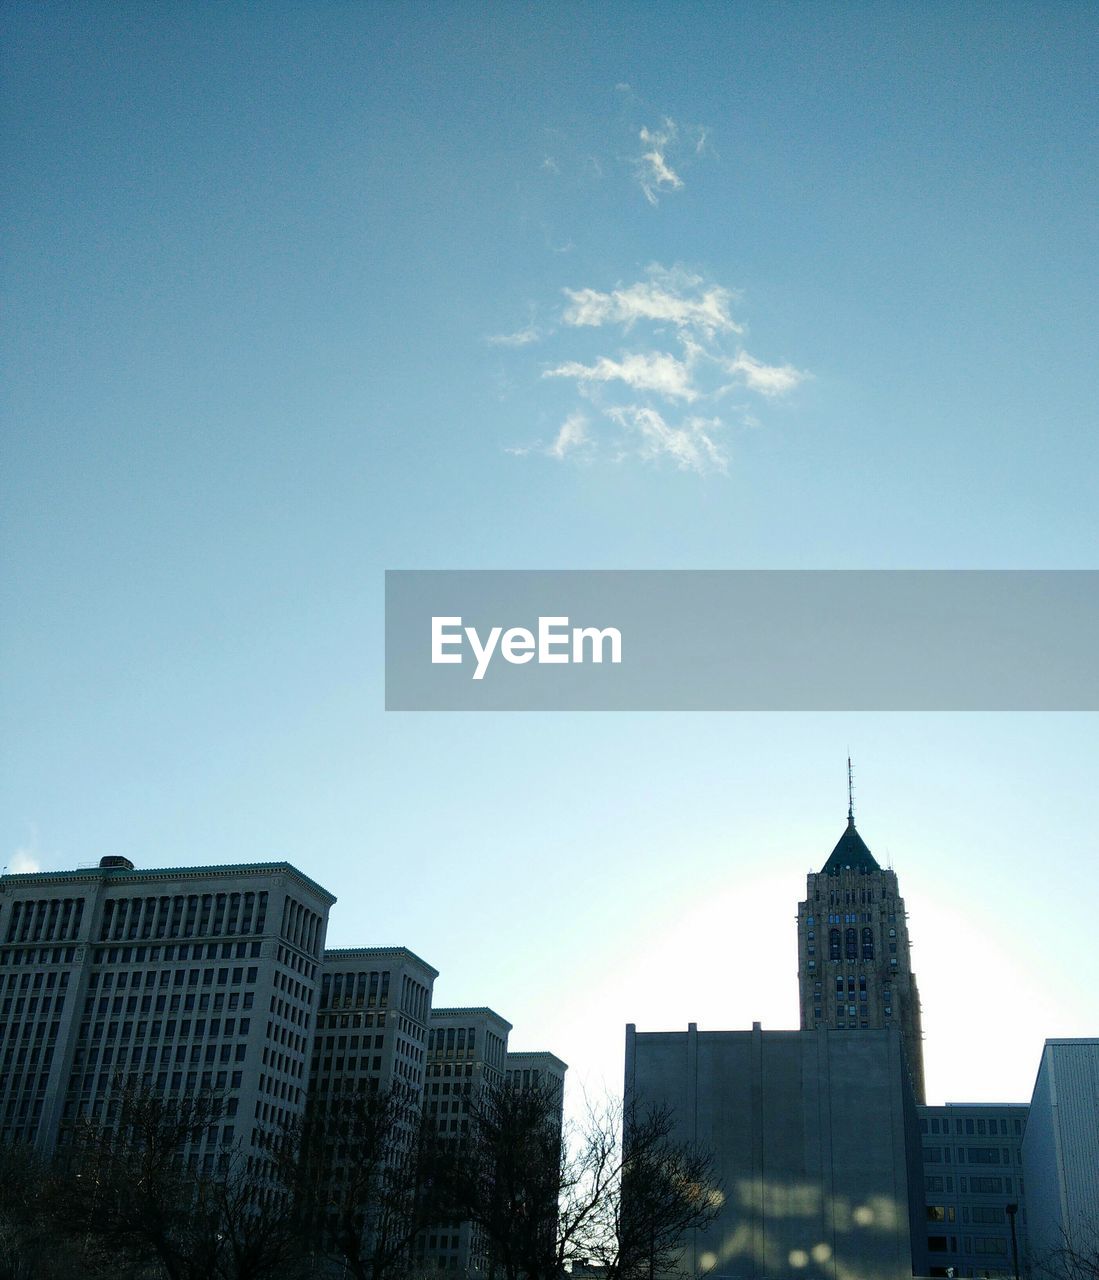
x=124 y=875
x=375 y=953
x=466 y=1012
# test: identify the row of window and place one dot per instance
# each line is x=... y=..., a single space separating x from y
x=45 y=919
x=294 y=960
x=38 y=955
x=975 y=1183
x=460 y=1041
x=990 y=1245
x=986 y=1214
x=184 y=915
x=183 y=951
x=970 y=1155
x=970 y=1124
x=355 y=990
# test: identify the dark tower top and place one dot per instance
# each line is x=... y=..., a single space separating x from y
x=850 y=853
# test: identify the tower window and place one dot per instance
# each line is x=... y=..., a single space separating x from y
x=867 y=944
x=851 y=944
x=833 y=944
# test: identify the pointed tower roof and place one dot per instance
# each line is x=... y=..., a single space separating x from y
x=850 y=851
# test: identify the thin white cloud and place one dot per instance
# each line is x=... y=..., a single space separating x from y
x=654 y=300
x=677 y=357
x=767 y=379
x=572 y=436
x=572 y=440
x=690 y=444
x=641 y=370
x=522 y=338
x=654 y=173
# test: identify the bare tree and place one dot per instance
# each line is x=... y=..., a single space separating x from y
x=363 y=1176
x=128 y=1192
x=508 y=1177
x=121 y=1188
x=29 y=1246
x=1076 y=1258
x=619 y=1191
x=668 y=1188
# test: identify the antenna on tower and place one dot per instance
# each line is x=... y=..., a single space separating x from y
x=850 y=794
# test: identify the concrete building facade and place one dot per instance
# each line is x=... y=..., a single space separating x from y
x=972 y=1174
x=372 y=1019
x=854 y=956
x=466 y=1053
x=535 y=1070
x=178 y=981
x=816 y=1143
x=1060 y=1152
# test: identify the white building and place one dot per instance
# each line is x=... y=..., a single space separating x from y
x=372 y=1019
x=536 y=1070
x=178 y=981
x=466 y=1052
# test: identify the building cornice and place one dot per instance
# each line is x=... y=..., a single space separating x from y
x=122 y=876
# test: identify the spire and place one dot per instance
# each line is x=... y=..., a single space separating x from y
x=850 y=795
x=851 y=853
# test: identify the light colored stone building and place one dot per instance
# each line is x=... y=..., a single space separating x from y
x=816 y=1147
x=854 y=960
x=536 y=1070
x=179 y=981
x=372 y=1020
x=466 y=1052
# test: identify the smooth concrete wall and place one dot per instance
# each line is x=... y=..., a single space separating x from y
x=816 y=1146
x=1061 y=1152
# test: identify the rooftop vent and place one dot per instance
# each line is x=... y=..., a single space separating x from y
x=114 y=862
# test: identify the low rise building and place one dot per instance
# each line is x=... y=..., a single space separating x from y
x=973 y=1176
x=815 y=1142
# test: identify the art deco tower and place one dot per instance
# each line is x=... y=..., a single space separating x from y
x=854 y=966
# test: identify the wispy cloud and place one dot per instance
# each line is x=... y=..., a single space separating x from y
x=767 y=379
x=521 y=338
x=572 y=440
x=572 y=436
x=690 y=444
x=654 y=173
x=662 y=299
x=642 y=370
x=677 y=355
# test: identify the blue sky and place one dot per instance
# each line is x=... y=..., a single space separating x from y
x=298 y=293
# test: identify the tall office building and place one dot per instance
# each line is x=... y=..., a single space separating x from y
x=177 y=981
x=372 y=1020
x=466 y=1051
x=854 y=965
x=536 y=1069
